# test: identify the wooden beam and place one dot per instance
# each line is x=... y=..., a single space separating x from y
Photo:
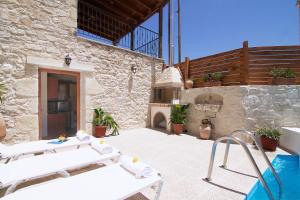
x=186 y=68
x=245 y=79
x=116 y=11
x=145 y=6
x=169 y=31
x=160 y=31
x=129 y=8
x=179 y=33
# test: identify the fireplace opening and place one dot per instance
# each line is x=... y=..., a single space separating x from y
x=160 y=121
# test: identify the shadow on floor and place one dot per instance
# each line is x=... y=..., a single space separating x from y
x=237 y=172
x=226 y=188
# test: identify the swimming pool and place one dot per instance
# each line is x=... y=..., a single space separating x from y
x=287 y=167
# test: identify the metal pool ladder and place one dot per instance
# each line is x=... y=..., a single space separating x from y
x=233 y=137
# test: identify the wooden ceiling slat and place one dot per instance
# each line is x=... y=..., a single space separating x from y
x=145 y=6
x=116 y=11
x=130 y=12
x=130 y=9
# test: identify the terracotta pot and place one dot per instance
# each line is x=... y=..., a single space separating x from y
x=268 y=143
x=177 y=128
x=205 y=132
x=100 y=131
x=2 y=127
x=283 y=81
x=212 y=83
x=189 y=84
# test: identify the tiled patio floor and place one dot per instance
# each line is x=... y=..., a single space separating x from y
x=183 y=162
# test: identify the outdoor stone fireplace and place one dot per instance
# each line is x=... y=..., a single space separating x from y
x=160 y=115
x=166 y=93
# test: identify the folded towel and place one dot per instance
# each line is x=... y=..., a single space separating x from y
x=139 y=169
x=102 y=148
x=80 y=135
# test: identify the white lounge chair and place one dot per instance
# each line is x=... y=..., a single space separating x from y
x=107 y=183
x=22 y=170
x=13 y=152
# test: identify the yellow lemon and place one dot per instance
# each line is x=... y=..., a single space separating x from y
x=101 y=141
x=61 y=138
x=135 y=159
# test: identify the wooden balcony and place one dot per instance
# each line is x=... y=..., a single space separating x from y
x=119 y=22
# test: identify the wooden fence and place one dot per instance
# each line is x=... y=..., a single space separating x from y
x=244 y=66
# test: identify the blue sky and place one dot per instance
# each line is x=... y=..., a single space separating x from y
x=212 y=26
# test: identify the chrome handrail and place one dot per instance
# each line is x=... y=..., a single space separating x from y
x=243 y=144
x=258 y=144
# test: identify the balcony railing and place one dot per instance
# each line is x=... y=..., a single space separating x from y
x=96 y=24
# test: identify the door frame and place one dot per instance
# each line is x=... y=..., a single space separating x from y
x=60 y=72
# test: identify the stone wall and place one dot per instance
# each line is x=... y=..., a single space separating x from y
x=47 y=29
x=248 y=107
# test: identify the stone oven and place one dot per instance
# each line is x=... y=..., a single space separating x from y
x=166 y=93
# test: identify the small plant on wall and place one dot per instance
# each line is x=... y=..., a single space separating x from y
x=269 y=137
x=205 y=129
x=283 y=76
x=178 y=117
x=213 y=79
x=102 y=122
x=2 y=122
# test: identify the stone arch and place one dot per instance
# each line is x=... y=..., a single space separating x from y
x=160 y=120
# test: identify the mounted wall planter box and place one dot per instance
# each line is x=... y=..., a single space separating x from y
x=283 y=81
x=212 y=83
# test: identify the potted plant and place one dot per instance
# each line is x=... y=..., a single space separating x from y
x=189 y=83
x=283 y=76
x=2 y=122
x=205 y=129
x=269 y=138
x=178 y=118
x=103 y=122
x=213 y=79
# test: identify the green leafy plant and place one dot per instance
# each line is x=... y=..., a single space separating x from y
x=282 y=73
x=2 y=91
x=104 y=119
x=290 y=74
x=178 y=114
x=206 y=77
x=269 y=132
x=217 y=76
x=207 y=122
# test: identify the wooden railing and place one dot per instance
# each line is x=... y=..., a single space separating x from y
x=244 y=66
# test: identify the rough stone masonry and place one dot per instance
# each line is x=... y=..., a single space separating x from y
x=46 y=29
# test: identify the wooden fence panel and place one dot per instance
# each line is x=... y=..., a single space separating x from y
x=247 y=65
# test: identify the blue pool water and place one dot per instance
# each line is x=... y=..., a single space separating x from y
x=287 y=167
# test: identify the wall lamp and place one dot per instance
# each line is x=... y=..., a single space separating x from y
x=133 y=69
x=68 y=59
